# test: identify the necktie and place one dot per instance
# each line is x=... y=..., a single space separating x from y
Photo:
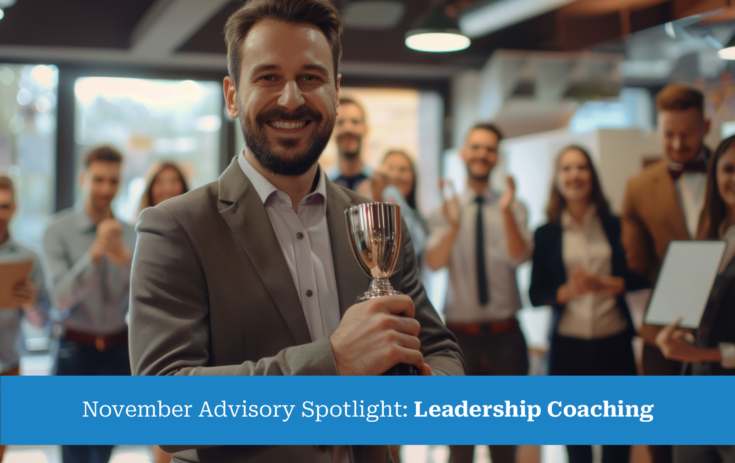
x=696 y=167
x=483 y=294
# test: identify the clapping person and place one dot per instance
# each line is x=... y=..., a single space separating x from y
x=89 y=253
x=579 y=269
x=713 y=350
x=30 y=297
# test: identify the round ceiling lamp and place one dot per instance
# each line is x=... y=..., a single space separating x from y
x=728 y=52
x=437 y=33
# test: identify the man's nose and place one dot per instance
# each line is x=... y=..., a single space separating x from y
x=291 y=98
x=677 y=143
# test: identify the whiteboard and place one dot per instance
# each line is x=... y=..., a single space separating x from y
x=688 y=272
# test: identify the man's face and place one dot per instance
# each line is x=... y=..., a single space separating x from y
x=7 y=209
x=682 y=133
x=350 y=130
x=287 y=96
x=480 y=153
x=100 y=183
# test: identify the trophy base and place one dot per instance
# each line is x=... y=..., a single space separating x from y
x=402 y=370
x=378 y=288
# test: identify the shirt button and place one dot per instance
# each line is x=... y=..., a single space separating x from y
x=309 y=293
x=300 y=235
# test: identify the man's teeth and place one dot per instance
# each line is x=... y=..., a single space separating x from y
x=287 y=125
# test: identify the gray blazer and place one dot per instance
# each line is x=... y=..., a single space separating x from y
x=211 y=294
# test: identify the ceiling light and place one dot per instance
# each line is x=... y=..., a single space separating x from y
x=2 y=13
x=728 y=52
x=437 y=33
x=491 y=17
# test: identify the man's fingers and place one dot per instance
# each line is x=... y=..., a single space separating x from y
x=409 y=357
x=404 y=340
x=425 y=370
x=396 y=305
x=400 y=324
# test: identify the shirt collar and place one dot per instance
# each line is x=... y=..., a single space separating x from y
x=701 y=157
x=487 y=195
x=84 y=221
x=568 y=223
x=266 y=189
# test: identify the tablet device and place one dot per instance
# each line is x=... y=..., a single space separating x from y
x=11 y=274
x=688 y=272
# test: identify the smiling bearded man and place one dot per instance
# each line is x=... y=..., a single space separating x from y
x=253 y=274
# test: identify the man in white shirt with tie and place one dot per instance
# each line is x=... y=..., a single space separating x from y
x=482 y=238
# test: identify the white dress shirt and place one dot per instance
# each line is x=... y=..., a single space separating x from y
x=304 y=240
x=585 y=246
x=463 y=305
x=690 y=189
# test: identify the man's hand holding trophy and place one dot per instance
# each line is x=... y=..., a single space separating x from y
x=378 y=335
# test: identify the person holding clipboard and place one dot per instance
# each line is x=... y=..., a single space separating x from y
x=713 y=352
x=26 y=295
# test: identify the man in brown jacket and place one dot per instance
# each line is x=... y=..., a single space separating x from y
x=253 y=274
x=663 y=203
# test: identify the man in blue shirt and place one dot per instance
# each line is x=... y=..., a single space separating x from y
x=30 y=296
x=350 y=130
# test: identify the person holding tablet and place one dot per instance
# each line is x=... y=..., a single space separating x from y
x=579 y=269
x=713 y=352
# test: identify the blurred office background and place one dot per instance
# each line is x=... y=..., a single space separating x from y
x=145 y=76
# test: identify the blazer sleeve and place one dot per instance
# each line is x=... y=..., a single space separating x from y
x=542 y=291
x=169 y=312
x=438 y=345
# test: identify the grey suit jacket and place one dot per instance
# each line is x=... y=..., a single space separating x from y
x=211 y=294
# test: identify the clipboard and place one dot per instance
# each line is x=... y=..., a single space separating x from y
x=11 y=274
x=684 y=283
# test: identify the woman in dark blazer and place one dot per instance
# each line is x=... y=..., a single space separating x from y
x=713 y=352
x=579 y=269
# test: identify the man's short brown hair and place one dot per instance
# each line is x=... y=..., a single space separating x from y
x=680 y=97
x=490 y=127
x=104 y=153
x=321 y=13
x=6 y=183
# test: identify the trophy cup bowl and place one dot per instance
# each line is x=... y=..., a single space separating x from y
x=374 y=233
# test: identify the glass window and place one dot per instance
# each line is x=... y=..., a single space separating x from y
x=149 y=121
x=28 y=143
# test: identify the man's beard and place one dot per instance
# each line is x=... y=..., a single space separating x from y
x=256 y=140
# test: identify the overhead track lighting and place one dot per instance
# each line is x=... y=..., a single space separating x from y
x=489 y=17
x=437 y=33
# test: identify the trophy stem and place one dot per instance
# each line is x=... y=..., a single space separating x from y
x=379 y=287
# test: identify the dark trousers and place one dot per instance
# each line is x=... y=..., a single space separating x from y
x=610 y=356
x=492 y=355
x=655 y=364
x=74 y=359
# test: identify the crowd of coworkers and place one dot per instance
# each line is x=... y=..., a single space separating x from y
x=584 y=259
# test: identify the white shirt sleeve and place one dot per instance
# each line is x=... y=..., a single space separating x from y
x=727 y=349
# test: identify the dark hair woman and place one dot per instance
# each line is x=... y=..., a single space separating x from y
x=713 y=352
x=165 y=181
x=579 y=269
x=396 y=181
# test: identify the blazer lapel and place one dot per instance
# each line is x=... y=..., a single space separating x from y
x=245 y=213
x=668 y=200
x=351 y=281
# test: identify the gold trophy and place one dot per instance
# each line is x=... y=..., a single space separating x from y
x=374 y=233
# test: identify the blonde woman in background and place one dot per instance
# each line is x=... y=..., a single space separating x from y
x=166 y=181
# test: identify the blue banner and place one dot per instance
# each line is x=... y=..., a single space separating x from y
x=217 y=410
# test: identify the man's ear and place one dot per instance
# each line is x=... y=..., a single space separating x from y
x=228 y=86
x=339 y=82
